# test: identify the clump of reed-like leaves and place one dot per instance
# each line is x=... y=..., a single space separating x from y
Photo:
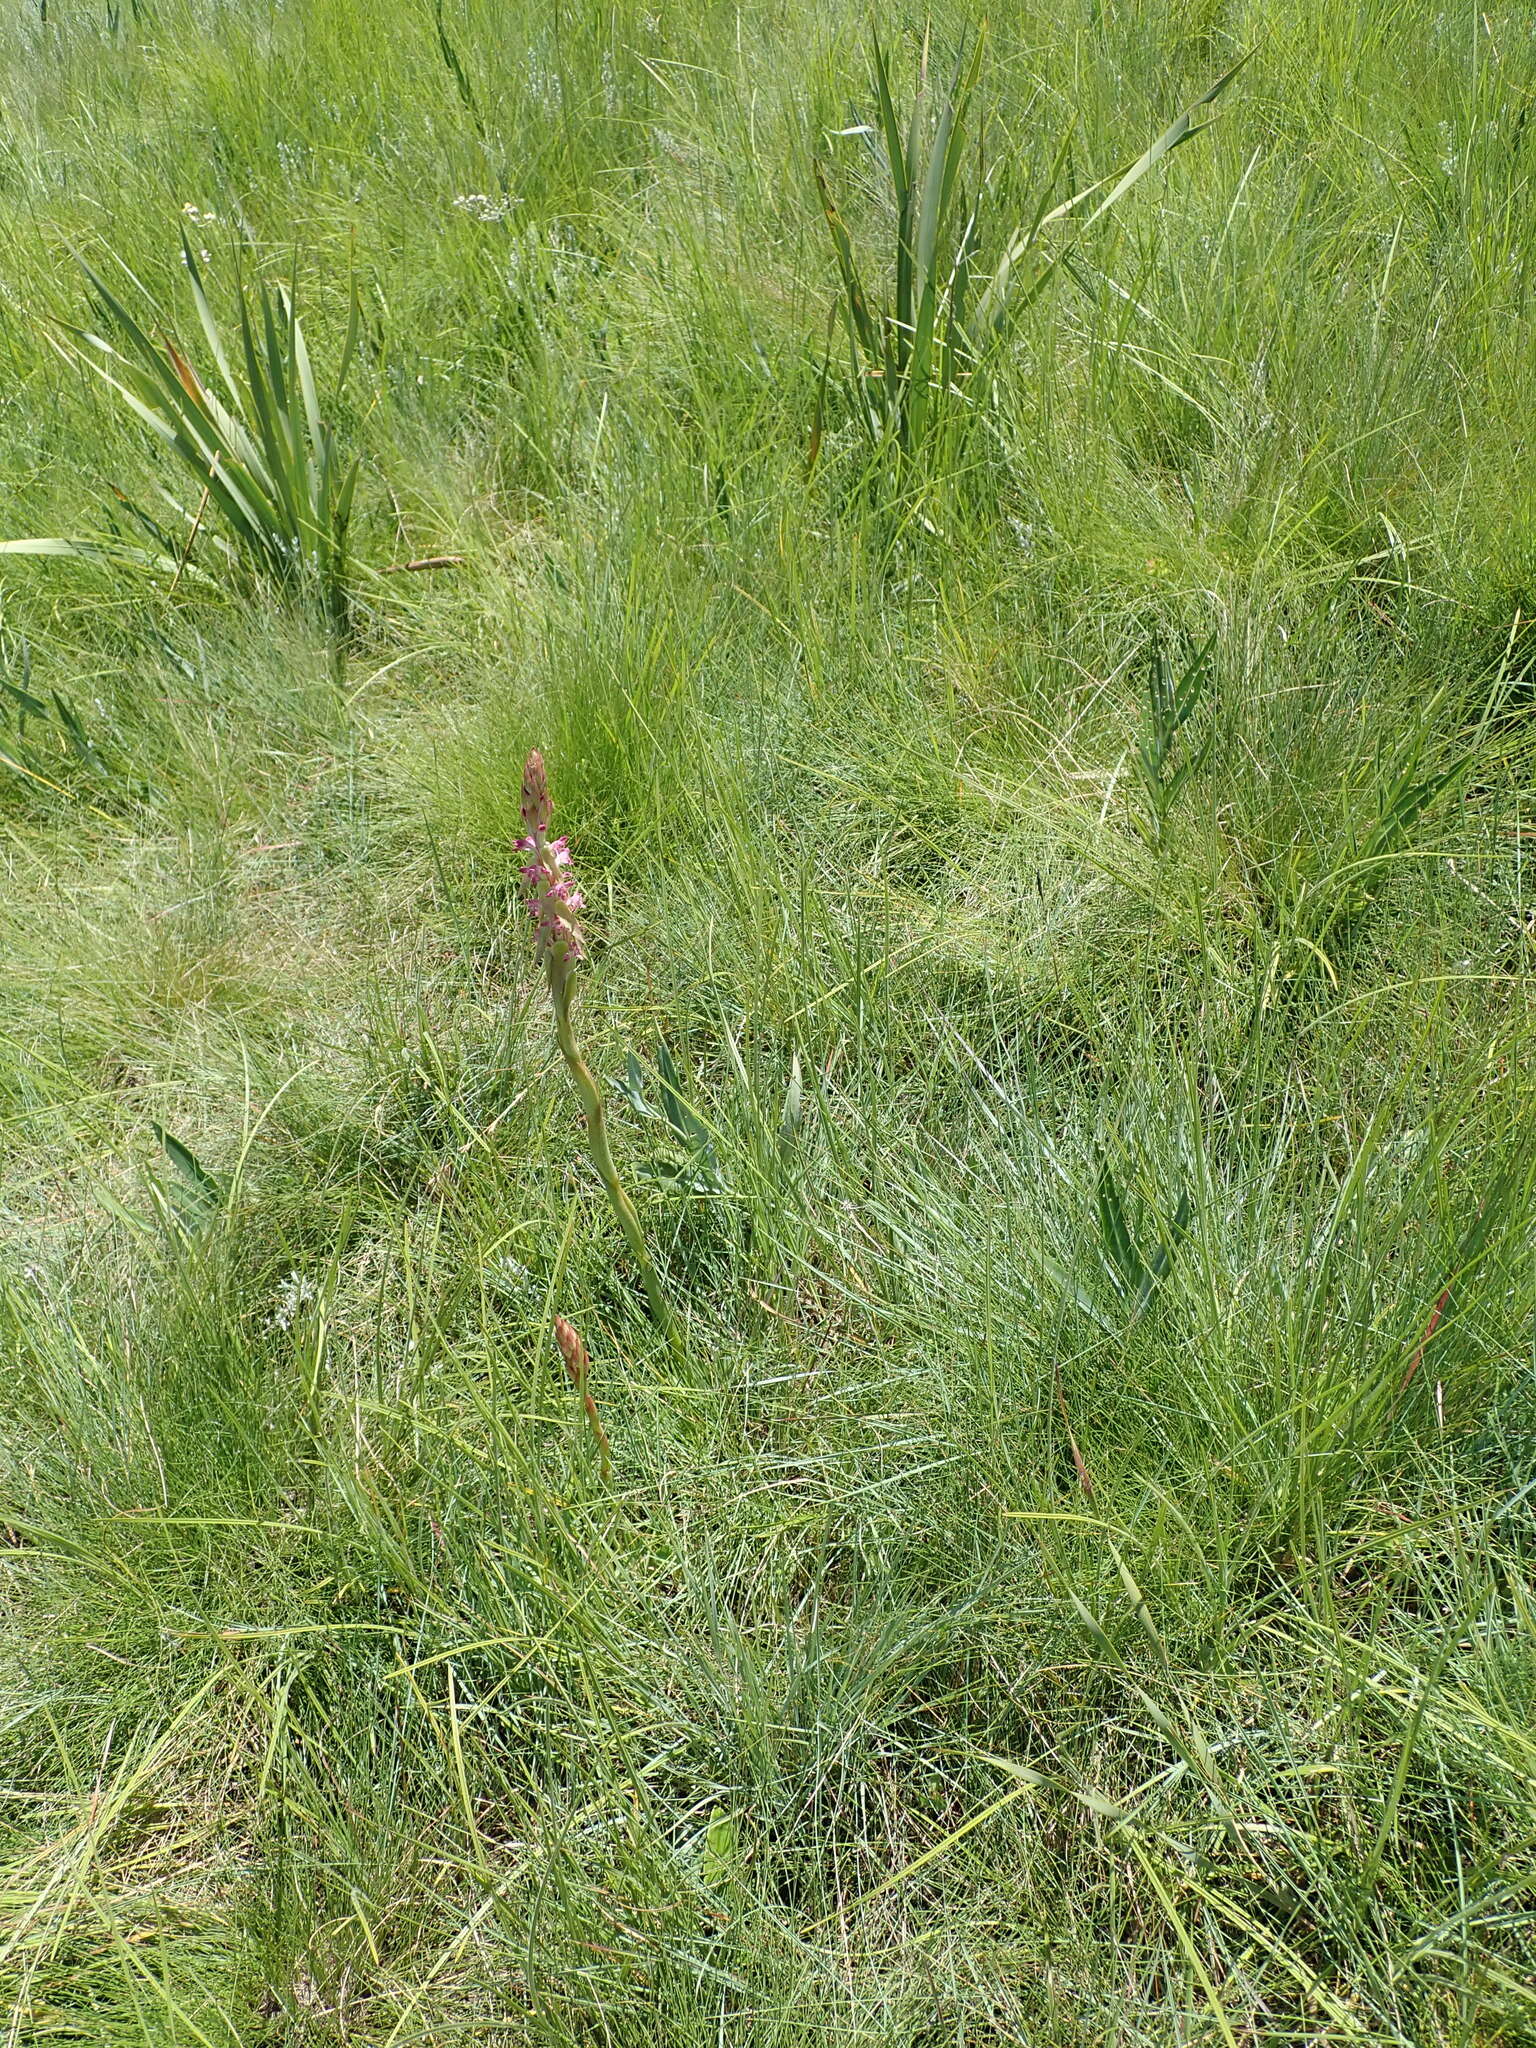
x=264 y=475
x=942 y=314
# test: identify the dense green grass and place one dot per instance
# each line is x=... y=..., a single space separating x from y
x=1073 y=1584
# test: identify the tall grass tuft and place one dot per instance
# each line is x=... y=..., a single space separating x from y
x=269 y=481
x=914 y=358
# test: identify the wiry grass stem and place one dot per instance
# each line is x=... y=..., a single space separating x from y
x=602 y=1158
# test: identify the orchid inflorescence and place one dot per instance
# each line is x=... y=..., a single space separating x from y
x=555 y=904
x=549 y=886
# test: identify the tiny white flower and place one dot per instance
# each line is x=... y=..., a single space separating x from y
x=481 y=205
x=294 y=1294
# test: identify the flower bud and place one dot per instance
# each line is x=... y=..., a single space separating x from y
x=537 y=808
x=572 y=1350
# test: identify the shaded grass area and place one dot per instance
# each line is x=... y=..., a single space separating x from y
x=1074 y=1583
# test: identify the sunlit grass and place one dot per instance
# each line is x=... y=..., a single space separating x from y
x=1057 y=953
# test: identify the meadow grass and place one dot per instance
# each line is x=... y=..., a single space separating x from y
x=1071 y=1581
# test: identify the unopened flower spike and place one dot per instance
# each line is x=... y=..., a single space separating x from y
x=579 y=1366
x=555 y=905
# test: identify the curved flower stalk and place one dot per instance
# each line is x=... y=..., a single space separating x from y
x=555 y=905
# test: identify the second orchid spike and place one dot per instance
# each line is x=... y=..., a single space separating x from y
x=578 y=1366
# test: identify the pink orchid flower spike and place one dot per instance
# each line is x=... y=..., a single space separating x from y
x=555 y=904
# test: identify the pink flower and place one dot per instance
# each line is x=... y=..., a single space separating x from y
x=549 y=887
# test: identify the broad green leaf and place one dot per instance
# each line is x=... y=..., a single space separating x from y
x=1179 y=131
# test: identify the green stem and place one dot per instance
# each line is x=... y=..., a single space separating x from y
x=602 y=1158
